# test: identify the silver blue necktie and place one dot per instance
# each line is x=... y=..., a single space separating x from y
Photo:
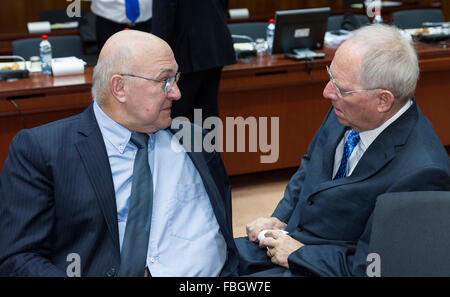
x=135 y=243
x=350 y=143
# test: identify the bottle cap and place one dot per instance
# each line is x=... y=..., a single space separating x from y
x=44 y=37
x=271 y=21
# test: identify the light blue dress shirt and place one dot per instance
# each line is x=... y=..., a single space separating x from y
x=185 y=239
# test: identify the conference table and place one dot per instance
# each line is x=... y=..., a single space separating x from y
x=270 y=106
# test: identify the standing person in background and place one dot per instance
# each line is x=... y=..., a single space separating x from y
x=198 y=34
x=350 y=22
x=113 y=16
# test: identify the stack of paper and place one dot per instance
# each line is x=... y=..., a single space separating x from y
x=67 y=66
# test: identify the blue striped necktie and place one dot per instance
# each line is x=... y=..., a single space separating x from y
x=350 y=143
x=132 y=10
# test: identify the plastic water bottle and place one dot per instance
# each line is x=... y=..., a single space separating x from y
x=377 y=19
x=260 y=46
x=269 y=35
x=45 y=49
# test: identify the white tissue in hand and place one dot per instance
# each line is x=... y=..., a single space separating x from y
x=262 y=234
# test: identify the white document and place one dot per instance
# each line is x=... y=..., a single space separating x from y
x=67 y=66
x=38 y=27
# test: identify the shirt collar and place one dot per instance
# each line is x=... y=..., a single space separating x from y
x=367 y=137
x=116 y=134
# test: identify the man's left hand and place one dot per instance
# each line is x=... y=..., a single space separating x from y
x=281 y=246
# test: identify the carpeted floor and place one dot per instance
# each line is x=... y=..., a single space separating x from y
x=256 y=195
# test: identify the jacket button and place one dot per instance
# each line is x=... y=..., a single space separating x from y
x=111 y=273
x=300 y=228
x=310 y=201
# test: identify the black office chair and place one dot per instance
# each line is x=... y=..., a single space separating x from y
x=59 y=16
x=254 y=30
x=62 y=46
x=411 y=233
x=335 y=21
x=414 y=18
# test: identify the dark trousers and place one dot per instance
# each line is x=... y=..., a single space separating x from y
x=254 y=262
x=106 y=28
x=198 y=90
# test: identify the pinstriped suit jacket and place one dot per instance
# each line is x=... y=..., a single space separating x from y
x=57 y=198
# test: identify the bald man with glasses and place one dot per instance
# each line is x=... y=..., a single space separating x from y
x=373 y=140
x=111 y=192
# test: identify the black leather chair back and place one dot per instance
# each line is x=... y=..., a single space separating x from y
x=411 y=233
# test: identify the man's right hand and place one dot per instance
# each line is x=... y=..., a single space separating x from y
x=260 y=224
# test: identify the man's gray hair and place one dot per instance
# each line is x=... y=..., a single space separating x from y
x=390 y=61
x=111 y=64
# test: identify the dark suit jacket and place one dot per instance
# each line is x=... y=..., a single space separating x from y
x=333 y=217
x=57 y=197
x=197 y=32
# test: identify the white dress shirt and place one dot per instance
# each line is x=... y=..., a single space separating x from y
x=114 y=10
x=366 y=139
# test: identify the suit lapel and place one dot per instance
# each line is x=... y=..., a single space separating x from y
x=328 y=142
x=210 y=187
x=380 y=152
x=93 y=154
x=202 y=167
x=371 y=162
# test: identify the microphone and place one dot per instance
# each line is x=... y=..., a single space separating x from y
x=435 y=24
x=245 y=53
x=243 y=37
x=14 y=73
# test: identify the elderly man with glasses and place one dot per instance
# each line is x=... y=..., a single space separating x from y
x=111 y=192
x=373 y=140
